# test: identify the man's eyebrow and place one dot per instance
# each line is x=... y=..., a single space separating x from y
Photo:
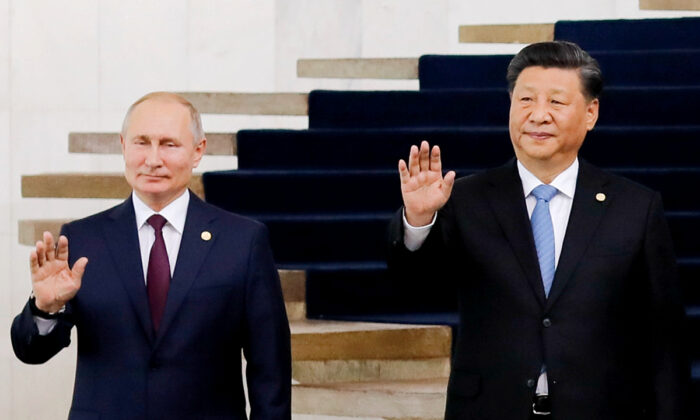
x=553 y=90
x=148 y=138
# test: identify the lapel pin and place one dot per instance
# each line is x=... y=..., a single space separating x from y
x=600 y=197
x=206 y=235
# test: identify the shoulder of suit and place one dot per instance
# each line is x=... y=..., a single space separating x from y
x=95 y=218
x=622 y=184
x=230 y=217
x=480 y=178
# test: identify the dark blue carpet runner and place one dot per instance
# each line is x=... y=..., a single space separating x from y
x=326 y=193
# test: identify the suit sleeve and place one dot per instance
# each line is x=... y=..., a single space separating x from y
x=31 y=347
x=267 y=343
x=435 y=257
x=671 y=363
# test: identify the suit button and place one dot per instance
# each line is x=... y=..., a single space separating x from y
x=530 y=383
x=547 y=322
x=153 y=365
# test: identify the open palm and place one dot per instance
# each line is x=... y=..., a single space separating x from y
x=423 y=188
x=53 y=282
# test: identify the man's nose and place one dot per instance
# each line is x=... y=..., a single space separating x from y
x=153 y=156
x=541 y=112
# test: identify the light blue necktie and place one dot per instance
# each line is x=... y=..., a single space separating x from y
x=543 y=231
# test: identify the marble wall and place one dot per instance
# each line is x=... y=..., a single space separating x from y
x=77 y=65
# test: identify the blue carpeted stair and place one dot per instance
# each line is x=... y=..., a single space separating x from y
x=674 y=67
x=326 y=193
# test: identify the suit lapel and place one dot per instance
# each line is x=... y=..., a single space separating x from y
x=190 y=257
x=122 y=239
x=586 y=213
x=507 y=201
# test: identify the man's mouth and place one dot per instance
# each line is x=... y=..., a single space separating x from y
x=154 y=177
x=539 y=135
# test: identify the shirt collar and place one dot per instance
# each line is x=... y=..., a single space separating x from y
x=565 y=182
x=175 y=212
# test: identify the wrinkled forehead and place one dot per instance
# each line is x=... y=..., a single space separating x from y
x=158 y=117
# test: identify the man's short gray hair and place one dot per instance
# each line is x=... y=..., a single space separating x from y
x=195 y=118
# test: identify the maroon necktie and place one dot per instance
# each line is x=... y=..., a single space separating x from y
x=158 y=277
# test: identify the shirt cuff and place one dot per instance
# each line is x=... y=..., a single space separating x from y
x=44 y=325
x=413 y=237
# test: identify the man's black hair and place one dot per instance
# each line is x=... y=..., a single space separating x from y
x=562 y=55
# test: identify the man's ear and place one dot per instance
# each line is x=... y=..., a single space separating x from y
x=121 y=140
x=592 y=113
x=199 y=150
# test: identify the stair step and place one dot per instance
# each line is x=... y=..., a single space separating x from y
x=631 y=34
x=362 y=237
x=509 y=34
x=296 y=311
x=473 y=147
x=378 y=190
x=358 y=68
x=337 y=340
x=417 y=399
x=108 y=143
x=82 y=185
x=31 y=231
x=333 y=371
x=293 y=284
x=249 y=103
x=669 y=5
x=620 y=68
x=621 y=106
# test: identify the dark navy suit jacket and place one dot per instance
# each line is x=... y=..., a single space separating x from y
x=225 y=296
x=610 y=332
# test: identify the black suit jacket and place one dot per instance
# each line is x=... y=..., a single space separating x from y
x=609 y=333
x=225 y=296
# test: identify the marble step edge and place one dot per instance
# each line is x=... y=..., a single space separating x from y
x=669 y=5
x=273 y=103
x=510 y=34
x=339 y=340
x=416 y=399
x=311 y=372
x=108 y=143
x=86 y=185
x=358 y=68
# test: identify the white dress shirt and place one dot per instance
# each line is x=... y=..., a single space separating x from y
x=175 y=213
x=559 y=210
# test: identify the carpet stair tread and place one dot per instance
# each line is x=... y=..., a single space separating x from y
x=621 y=68
x=300 y=191
x=631 y=34
x=476 y=147
x=465 y=107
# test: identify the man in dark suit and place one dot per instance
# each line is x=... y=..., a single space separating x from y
x=569 y=303
x=173 y=290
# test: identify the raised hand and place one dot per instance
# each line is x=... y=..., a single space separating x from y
x=53 y=282
x=423 y=188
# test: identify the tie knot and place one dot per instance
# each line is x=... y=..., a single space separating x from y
x=544 y=192
x=157 y=221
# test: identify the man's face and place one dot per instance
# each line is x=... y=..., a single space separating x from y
x=549 y=117
x=159 y=151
